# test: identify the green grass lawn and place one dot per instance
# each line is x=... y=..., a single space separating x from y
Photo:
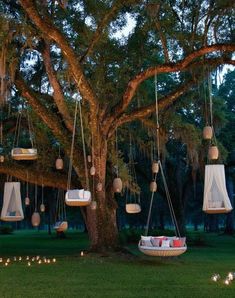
x=112 y=276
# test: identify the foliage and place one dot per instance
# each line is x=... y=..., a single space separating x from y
x=6 y=230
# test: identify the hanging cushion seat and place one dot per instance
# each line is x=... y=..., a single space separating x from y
x=216 y=198
x=24 y=154
x=133 y=208
x=12 y=205
x=61 y=226
x=78 y=197
x=167 y=248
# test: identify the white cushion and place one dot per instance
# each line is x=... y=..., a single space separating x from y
x=166 y=243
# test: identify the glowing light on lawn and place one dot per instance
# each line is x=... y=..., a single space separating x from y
x=215 y=277
x=227 y=282
x=29 y=264
x=6 y=264
x=82 y=253
x=20 y=258
x=230 y=276
x=54 y=260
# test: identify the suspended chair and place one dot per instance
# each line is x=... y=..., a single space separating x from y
x=61 y=224
x=132 y=193
x=78 y=197
x=18 y=153
x=162 y=246
x=12 y=205
x=216 y=199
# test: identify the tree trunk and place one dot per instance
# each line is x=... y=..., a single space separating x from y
x=101 y=222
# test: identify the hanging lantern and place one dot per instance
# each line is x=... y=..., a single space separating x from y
x=92 y=171
x=207 y=133
x=117 y=185
x=89 y=158
x=213 y=152
x=35 y=220
x=59 y=163
x=42 y=208
x=27 y=201
x=93 y=205
x=153 y=186
x=99 y=187
x=2 y=158
x=155 y=167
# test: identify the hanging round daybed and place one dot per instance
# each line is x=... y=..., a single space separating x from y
x=18 y=153
x=132 y=197
x=161 y=246
x=78 y=197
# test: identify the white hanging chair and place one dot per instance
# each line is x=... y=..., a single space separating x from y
x=12 y=205
x=18 y=153
x=78 y=197
x=216 y=199
x=24 y=154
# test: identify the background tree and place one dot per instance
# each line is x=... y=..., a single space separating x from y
x=53 y=51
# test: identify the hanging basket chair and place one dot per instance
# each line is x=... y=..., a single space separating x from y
x=12 y=206
x=207 y=133
x=24 y=154
x=35 y=219
x=61 y=226
x=78 y=197
x=133 y=208
x=216 y=199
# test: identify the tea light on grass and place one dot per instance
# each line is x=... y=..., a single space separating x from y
x=20 y=258
x=230 y=276
x=215 y=277
x=54 y=260
x=27 y=258
x=6 y=264
x=29 y=264
x=48 y=261
x=15 y=259
x=8 y=260
x=39 y=262
x=0 y=260
x=227 y=282
x=82 y=253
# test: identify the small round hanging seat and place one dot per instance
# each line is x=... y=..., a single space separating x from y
x=24 y=154
x=162 y=251
x=133 y=208
x=61 y=226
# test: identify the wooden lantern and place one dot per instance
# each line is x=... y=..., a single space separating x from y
x=99 y=187
x=93 y=205
x=153 y=186
x=89 y=158
x=42 y=208
x=27 y=201
x=207 y=133
x=35 y=220
x=213 y=152
x=117 y=185
x=59 y=163
x=155 y=167
x=2 y=158
x=92 y=171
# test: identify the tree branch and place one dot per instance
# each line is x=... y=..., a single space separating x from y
x=58 y=92
x=164 y=68
x=51 y=32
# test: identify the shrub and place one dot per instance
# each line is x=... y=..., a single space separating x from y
x=6 y=230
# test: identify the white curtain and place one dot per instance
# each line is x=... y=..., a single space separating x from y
x=215 y=192
x=12 y=205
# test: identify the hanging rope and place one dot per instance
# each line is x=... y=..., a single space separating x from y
x=157 y=117
x=116 y=149
x=30 y=129
x=36 y=197
x=72 y=148
x=42 y=192
x=27 y=184
x=83 y=146
x=150 y=210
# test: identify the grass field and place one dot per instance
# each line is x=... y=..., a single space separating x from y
x=115 y=275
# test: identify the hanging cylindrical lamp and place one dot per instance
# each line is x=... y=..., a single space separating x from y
x=93 y=205
x=59 y=163
x=89 y=158
x=155 y=167
x=117 y=185
x=35 y=220
x=42 y=208
x=27 y=201
x=99 y=187
x=213 y=152
x=2 y=158
x=153 y=186
x=207 y=132
x=92 y=171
